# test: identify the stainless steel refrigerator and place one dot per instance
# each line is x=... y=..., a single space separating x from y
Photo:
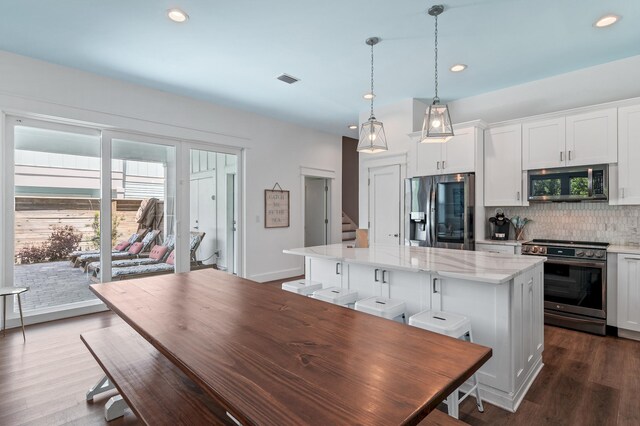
x=440 y=211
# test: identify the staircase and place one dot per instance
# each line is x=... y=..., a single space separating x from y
x=348 y=228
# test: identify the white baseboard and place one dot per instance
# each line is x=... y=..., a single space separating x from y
x=52 y=314
x=277 y=275
x=628 y=334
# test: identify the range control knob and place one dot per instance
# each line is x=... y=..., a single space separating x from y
x=599 y=254
x=525 y=249
x=579 y=253
x=543 y=250
x=589 y=253
x=534 y=249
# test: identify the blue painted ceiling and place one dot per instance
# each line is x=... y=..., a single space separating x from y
x=229 y=52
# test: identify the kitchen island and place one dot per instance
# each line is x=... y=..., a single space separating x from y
x=501 y=294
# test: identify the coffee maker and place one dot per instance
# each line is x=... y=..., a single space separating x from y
x=499 y=226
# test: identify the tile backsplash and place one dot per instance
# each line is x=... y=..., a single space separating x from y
x=578 y=221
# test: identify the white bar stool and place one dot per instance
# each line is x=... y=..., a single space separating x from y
x=303 y=286
x=382 y=307
x=336 y=295
x=458 y=327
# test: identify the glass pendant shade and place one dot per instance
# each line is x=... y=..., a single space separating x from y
x=372 y=137
x=437 y=126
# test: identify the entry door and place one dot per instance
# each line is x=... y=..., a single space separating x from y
x=315 y=212
x=203 y=215
x=384 y=205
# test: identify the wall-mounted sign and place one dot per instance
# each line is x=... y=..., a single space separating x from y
x=276 y=208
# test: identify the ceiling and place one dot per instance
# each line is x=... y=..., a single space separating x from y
x=229 y=52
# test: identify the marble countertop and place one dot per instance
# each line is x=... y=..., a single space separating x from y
x=513 y=243
x=631 y=249
x=462 y=264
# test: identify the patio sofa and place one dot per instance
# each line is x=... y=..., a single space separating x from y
x=138 y=249
x=121 y=247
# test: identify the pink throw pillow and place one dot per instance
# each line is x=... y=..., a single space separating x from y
x=158 y=252
x=135 y=248
x=121 y=245
x=172 y=258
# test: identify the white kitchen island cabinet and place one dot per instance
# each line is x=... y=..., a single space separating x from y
x=501 y=295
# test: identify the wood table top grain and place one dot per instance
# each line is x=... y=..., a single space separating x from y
x=273 y=357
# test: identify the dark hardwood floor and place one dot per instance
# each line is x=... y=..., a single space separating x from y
x=587 y=380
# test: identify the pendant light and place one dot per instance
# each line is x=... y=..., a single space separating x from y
x=437 y=126
x=372 y=137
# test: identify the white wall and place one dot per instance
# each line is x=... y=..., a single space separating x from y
x=275 y=150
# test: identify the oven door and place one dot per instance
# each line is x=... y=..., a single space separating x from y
x=576 y=286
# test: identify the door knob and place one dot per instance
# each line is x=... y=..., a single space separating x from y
x=394 y=235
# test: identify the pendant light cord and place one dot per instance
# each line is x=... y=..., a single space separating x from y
x=436 y=99
x=372 y=95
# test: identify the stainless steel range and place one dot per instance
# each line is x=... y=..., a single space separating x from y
x=575 y=283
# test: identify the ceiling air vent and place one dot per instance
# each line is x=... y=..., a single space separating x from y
x=289 y=79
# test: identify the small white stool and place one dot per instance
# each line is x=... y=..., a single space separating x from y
x=336 y=295
x=304 y=287
x=458 y=327
x=382 y=307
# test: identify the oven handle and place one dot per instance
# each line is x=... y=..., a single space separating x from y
x=600 y=265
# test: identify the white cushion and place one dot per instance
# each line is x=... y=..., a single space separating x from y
x=446 y=323
x=336 y=295
x=303 y=286
x=381 y=306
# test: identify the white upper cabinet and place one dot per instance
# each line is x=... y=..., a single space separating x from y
x=543 y=144
x=592 y=138
x=575 y=140
x=629 y=158
x=458 y=155
x=502 y=166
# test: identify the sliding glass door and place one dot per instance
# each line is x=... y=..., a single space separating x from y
x=56 y=195
x=84 y=205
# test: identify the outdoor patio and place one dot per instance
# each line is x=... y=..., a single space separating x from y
x=52 y=284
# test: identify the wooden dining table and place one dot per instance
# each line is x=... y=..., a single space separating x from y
x=268 y=356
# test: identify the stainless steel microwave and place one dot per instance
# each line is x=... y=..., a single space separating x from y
x=586 y=183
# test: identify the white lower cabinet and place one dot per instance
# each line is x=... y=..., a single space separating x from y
x=498 y=248
x=331 y=273
x=369 y=281
x=629 y=292
x=516 y=351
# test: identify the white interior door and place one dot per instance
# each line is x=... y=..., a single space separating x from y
x=231 y=223
x=384 y=205
x=315 y=212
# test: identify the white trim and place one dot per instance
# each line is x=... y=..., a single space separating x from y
x=316 y=172
x=57 y=313
x=106 y=143
x=386 y=159
x=277 y=275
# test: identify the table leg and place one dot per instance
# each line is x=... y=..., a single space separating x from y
x=24 y=336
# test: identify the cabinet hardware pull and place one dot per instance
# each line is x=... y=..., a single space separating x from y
x=518 y=196
x=569 y=155
x=337 y=266
x=375 y=275
x=384 y=271
x=434 y=286
x=438 y=165
x=443 y=164
x=637 y=259
x=622 y=192
x=561 y=159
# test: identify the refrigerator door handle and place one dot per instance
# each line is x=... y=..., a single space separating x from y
x=432 y=213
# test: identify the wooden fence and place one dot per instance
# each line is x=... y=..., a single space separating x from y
x=36 y=216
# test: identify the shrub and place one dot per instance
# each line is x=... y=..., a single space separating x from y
x=95 y=225
x=62 y=241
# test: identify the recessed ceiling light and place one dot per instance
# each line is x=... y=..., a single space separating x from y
x=353 y=126
x=368 y=95
x=458 y=68
x=177 y=15
x=606 y=21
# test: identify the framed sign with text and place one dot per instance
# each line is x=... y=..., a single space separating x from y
x=276 y=208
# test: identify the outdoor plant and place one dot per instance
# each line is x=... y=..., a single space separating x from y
x=95 y=225
x=62 y=241
x=519 y=224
